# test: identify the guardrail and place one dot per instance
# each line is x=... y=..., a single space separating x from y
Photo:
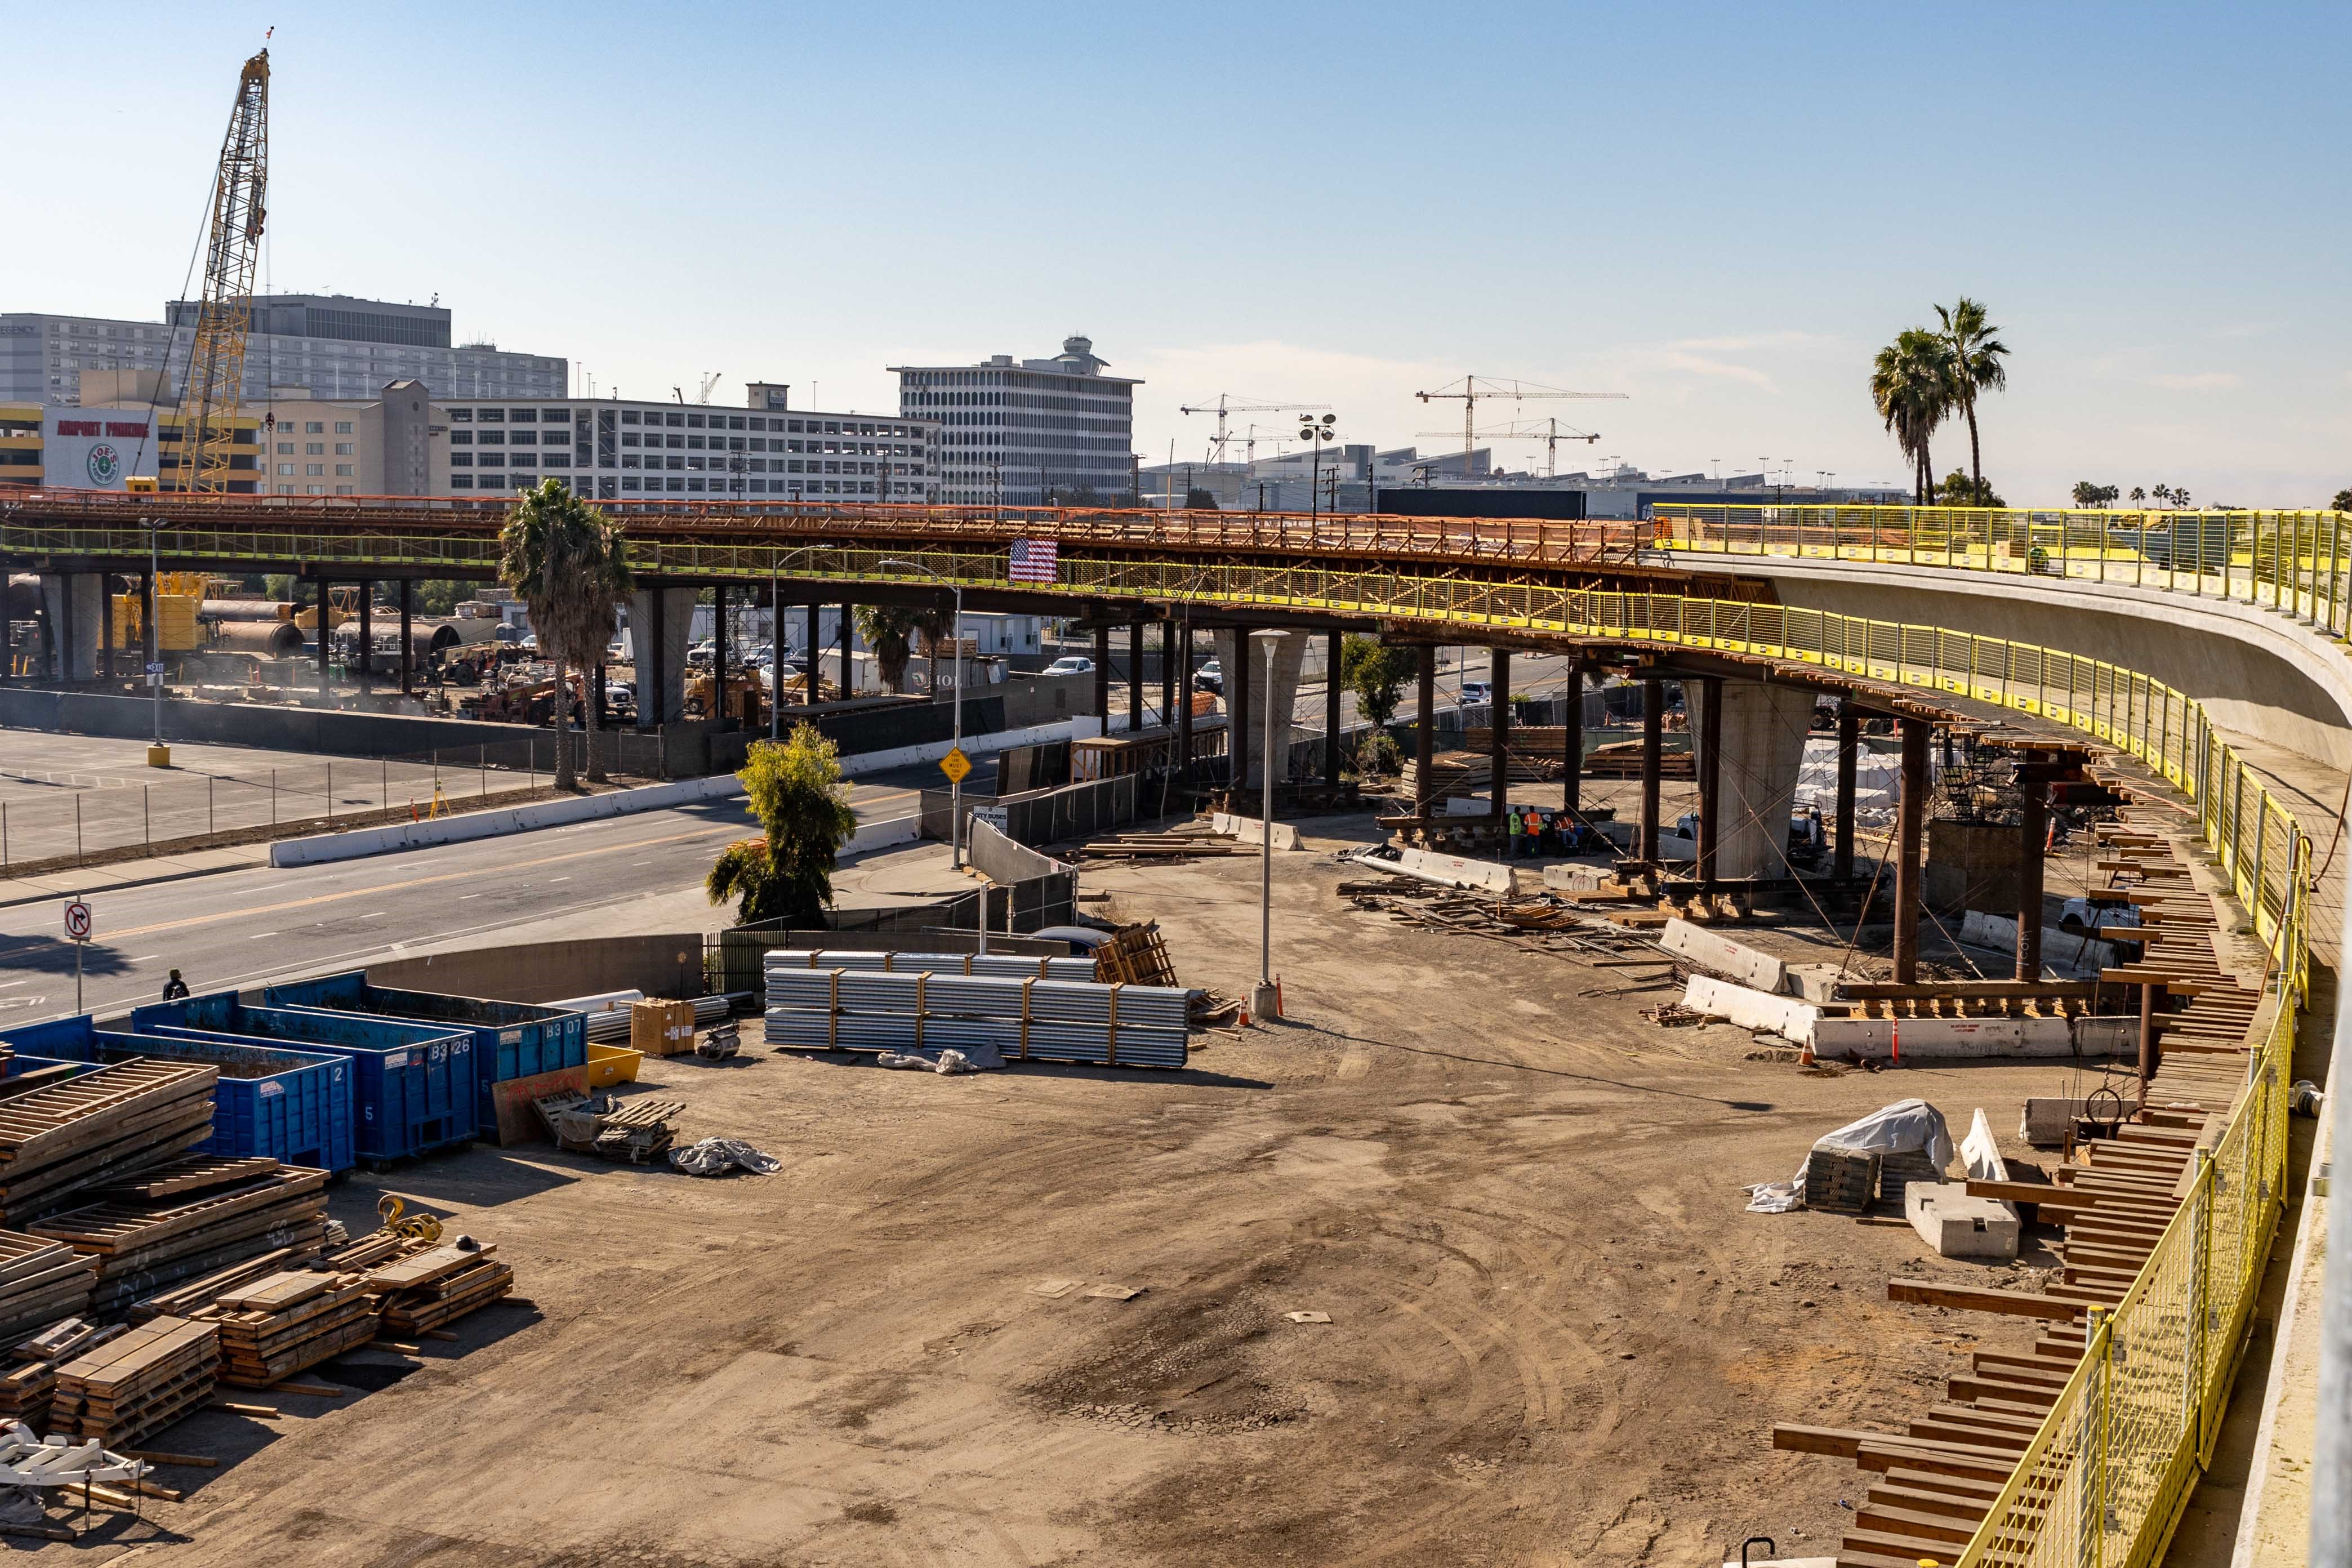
x=2298 y=562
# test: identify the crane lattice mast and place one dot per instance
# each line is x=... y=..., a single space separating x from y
x=225 y=310
x=1471 y=390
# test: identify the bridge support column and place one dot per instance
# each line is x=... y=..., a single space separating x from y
x=1168 y=672
x=1572 y=788
x=1749 y=755
x=106 y=628
x=408 y=640
x=1135 y=710
x=812 y=676
x=1246 y=672
x=1424 y=735
x=1333 y=646
x=365 y=663
x=1184 y=713
x=1102 y=675
x=660 y=620
x=1911 y=815
x=1849 y=745
x=1498 y=731
x=73 y=602
x=2033 y=827
x=848 y=649
x=1654 y=728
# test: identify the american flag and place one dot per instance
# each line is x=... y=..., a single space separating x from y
x=1033 y=560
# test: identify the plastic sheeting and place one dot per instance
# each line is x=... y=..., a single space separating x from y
x=1902 y=1128
x=952 y=1059
x=716 y=1156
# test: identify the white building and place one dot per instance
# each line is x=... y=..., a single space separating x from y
x=332 y=345
x=1032 y=433
x=617 y=451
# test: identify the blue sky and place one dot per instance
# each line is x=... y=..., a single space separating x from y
x=1719 y=210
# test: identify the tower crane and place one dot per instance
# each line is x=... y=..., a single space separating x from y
x=1471 y=390
x=1227 y=404
x=224 y=309
x=1550 y=432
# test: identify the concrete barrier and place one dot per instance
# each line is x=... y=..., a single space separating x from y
x=2063 y=951
x=1751 y=1009
x=463 y=828
x=1447 y=871
x=974 y=746
x=1250 y=830
x=1724 y=956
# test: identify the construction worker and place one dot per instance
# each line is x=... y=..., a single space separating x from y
x=175 y=989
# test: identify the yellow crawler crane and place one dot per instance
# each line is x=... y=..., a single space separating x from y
x=225 y=312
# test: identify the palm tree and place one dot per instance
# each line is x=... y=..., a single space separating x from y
x=1911 y=385
x=889 y=629
x=569 y=564
x=1975 y=366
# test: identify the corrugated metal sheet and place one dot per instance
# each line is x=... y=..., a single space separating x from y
x=1005 y=965
x=841 y=1009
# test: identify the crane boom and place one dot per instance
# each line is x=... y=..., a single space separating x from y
x=225 y=310
x=1552 y=433
x=1222 y=407
x=1471 y=389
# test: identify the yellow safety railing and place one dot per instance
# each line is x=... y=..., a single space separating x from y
x=2298 y=562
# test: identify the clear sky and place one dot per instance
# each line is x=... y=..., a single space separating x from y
x=1721 y=210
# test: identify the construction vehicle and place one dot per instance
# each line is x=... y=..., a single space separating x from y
x=747 y=696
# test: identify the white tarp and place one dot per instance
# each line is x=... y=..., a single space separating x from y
x=1897 y=1129
x=1876 y=777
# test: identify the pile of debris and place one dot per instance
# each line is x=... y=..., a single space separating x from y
x=1136 y=955
x=636 y=1129
x=1189 y=841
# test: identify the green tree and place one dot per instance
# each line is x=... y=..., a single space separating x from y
x=1199 y=500
x=568 y=563
x=2343 y=501
x=438 y=595
x=2088 y=495
x=1959 y=489
x=1911 y=386
x=2138 y=496
x=278 y=585
x=1974 y=355
x=890 y=630
x=1376 y=672
x=797 y=790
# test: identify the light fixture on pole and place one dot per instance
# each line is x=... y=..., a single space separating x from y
x=1266 y=996
x=1316 y=434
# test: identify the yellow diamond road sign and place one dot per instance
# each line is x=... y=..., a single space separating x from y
x=955 y=764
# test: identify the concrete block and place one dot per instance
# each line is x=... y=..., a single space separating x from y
x=1250 y=830
x=1958 y=1226
x=1812 y=982
x=2116 y=1036
x=1751 y=1009
x=1942 y=1039
x=2045 y=1120
x=2063 y=953
x=1448 y=870
x=1724 y=956
x=1578 y=878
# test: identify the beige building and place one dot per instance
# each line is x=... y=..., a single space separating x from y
x=394 y=444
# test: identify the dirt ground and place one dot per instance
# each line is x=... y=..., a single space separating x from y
x=1555 y=1338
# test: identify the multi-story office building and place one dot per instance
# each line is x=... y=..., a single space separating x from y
x=331 y=345
x=1034 y=433
x=615 y=450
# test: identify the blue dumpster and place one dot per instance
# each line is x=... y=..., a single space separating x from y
x=291 y=1106
x=510 y=1039
x=413 y=1086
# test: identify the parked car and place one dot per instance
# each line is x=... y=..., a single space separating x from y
x=1476 y=693
x=1210 y=677
x=1071 y=664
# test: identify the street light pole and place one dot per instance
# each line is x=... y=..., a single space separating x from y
x=1265 y=997
x=955 y=784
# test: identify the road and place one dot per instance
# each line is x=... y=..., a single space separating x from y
x=243 y=926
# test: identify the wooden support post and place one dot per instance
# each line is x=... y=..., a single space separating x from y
x=408 y=643
x=1498 y=731
x=1709 y=741
x=1332 y=649
x=1911 y=815
x=1424 y=739
x=2033 y=827
x=1653 y=724
x=1571 y=791
x=2147 y=1038
x=1134 y=676
x=1849 y=743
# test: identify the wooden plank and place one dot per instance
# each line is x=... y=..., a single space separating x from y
x=1979 y=1299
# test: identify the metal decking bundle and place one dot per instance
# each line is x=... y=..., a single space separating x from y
x=1028 y=1019
x=1000 y=965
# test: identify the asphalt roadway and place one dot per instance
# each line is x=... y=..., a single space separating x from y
x=241 y=928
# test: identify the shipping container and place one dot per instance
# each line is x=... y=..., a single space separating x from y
x=412 y=1089
x=510 y=1039
x=292 y=1106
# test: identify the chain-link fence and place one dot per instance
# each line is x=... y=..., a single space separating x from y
x=48 y=819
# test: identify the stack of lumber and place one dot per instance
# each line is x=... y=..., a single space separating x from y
x=1450 y=773
x=41 y=1280
x=276 y=1326
x=2112 y=1197
x=60 y=1139
x=1182 y=845
x=428 y=1288
x=1623 y=760
x=191 y=1218
x=1841 y=1181
x=1534 y=752
x=186 y=1300
x=139 y=1382
x=30 y=1385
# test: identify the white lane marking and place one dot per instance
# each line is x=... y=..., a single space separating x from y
x=259 y=935
x=551 y=881
x=374 y=914
x=463 y=897
x=145 y=958
x=12 y=984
